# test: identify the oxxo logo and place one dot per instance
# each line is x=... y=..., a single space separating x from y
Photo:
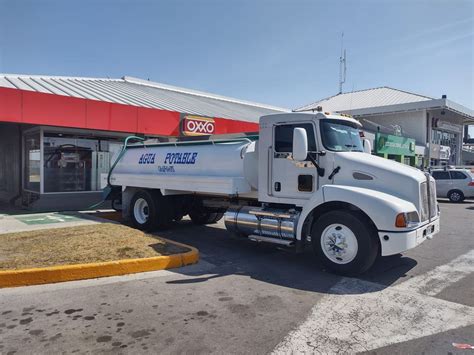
x=198 y=126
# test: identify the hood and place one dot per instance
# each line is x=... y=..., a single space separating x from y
x=370 y=171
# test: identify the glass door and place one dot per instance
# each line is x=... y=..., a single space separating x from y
x=32 y=161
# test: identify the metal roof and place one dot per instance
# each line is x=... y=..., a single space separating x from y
x=142 y=93
x=386 y=100
x=382 y=96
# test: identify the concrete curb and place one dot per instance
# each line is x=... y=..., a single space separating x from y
x=53 y=274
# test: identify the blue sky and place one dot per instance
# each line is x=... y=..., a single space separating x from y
x=283 y=53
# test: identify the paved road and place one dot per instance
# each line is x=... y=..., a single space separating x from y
x=244 y=298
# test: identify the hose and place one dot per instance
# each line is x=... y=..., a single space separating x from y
x=122 y=152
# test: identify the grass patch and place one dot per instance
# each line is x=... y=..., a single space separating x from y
x=77 y=245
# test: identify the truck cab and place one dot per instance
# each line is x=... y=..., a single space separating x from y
x=288 y=180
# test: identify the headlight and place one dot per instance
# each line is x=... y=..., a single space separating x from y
x=407 y=219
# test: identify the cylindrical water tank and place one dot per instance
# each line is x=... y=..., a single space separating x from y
x=232 y=158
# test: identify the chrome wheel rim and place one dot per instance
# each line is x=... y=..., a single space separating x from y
x=339 y=244
x=141 y=211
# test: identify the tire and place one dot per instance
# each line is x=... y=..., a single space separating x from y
x=200 y=216
x=455 y=196
x=149 y=211
x=117 y=204
x=361 y=245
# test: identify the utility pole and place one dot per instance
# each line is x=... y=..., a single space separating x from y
x=342 y=65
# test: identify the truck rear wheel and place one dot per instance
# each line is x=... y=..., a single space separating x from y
x=345 y=242
x=149 y=211
x=201 y=216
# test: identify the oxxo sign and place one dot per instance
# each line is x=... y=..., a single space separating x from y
x=198 y=126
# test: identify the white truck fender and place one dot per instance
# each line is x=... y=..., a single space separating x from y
x=382 y=208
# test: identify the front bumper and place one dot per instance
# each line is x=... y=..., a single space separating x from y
x=397 y=242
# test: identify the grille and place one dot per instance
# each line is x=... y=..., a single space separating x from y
x=433 y=203
x=424 y=201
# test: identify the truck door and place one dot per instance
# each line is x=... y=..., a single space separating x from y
x=290 y=178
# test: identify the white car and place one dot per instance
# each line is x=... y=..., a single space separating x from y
x=455 y=184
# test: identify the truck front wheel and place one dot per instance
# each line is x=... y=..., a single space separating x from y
x=149 y=211
x=345 y=242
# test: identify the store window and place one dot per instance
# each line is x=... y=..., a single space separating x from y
x=447 y=139
x=74 y=163
x=444 y=138
x=32 y=159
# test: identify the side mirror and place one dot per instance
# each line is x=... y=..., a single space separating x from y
x=367 y=146
x=300 y=144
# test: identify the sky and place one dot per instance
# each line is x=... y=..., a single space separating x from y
x=284 y=53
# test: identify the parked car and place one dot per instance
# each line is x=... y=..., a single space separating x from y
x=454 y=183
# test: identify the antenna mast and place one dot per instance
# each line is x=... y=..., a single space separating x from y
x=342 y=65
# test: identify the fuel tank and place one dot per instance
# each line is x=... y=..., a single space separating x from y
x=258 y=221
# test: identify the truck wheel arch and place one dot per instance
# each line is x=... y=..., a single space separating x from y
x=382 y=208
x=332 y=206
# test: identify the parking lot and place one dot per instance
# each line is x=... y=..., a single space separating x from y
x=247 y=298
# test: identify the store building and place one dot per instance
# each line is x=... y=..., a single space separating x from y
x=59 y=135
x=435 y=126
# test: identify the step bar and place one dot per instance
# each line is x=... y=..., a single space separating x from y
x=259 y=238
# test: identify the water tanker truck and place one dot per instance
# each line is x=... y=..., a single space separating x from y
x=305 y=179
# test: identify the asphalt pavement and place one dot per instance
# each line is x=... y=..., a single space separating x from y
x=248 y=298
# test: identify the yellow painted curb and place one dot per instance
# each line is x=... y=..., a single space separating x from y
x=38 y=276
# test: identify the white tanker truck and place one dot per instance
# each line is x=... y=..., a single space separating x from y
x=304 y=179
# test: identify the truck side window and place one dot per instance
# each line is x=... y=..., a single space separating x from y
x=284 y=137
x=441 y=175
x=457 y=175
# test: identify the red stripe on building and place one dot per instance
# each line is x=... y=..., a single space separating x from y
x=31 y=107
x=225 y=125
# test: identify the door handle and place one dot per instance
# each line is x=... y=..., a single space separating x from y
x=277 y=186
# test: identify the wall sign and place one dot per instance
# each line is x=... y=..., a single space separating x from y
x=447 y=126
x=198 y=126
x=389 y=144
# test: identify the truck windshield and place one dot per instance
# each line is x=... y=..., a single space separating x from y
x=340 y=136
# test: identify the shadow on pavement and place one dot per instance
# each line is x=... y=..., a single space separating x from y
x=10 y=210
x=446 y=201
x=267 y=263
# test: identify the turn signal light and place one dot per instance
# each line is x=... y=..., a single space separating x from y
x=401 y=221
